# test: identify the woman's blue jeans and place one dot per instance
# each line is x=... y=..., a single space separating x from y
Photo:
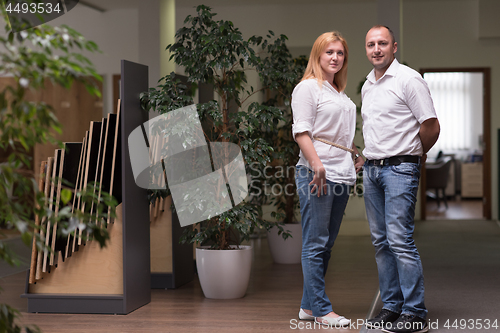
x=390 y=194
x=321 y=218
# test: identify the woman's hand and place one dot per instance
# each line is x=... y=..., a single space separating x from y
x=307 y=148
x=319 y=180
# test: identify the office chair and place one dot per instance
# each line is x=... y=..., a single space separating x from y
x=437 y=175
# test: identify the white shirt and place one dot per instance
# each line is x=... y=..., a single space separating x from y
x=393 y=109
x=325 y=113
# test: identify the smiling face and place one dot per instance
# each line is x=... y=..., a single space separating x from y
x=380 y=49
x=331 y=60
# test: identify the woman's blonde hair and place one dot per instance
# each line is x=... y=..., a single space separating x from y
x=313 y=69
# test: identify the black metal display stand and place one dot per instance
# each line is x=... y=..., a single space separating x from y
x=135 y=212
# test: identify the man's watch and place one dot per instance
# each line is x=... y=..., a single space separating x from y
x=356 y=156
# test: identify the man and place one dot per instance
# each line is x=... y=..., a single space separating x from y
x=399 y=127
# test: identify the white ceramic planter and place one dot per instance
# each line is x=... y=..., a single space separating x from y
x=355 y=209
x=224 y=274
x=286 y=251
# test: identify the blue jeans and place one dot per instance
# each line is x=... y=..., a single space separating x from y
x=321 y=218
x=390 y=197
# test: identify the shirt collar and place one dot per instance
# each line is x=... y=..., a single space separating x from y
x=329 y=86
x=391 y=71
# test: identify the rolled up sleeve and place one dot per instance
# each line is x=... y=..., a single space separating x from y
x=304 y=107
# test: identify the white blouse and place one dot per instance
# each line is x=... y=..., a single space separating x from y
x=324 y=113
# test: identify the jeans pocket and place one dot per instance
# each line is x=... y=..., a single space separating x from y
x=406 y=169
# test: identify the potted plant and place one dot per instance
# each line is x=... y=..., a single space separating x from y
x=214 y=52
x=280 y=178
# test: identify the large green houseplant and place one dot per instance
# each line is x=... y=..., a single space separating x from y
x=280 y=175
x=280 y=178
x=214 y=52
x=30 y=58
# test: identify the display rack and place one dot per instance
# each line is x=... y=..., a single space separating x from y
x=116 y=279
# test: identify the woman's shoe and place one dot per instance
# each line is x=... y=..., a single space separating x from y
x=304 y=316
x=330 y=321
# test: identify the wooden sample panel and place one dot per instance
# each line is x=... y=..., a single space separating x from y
x=92 y=152
x=108 y=161
x=57 y=204
x=34 y=249
x=72 y=160
x=72 y=153
x=52 y=207
x=40 y=256
x=80 y=185
x=97 y=178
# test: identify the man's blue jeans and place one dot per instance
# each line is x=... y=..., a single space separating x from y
x=321 y=218
x=390 y=196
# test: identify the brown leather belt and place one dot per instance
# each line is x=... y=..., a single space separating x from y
x=395 y=160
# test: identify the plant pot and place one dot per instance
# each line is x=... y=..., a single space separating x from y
x=286 y=251
x=355 y=209
x=224 y=274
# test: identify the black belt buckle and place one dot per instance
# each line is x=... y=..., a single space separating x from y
x=381 y=162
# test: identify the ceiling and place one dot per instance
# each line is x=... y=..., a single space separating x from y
x=119 y=4
x=110 y=4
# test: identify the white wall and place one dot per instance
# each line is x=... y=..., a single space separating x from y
x=302 y=24
x=117 y=35
x=436 y=33
x=115 y=32
x=445 y=33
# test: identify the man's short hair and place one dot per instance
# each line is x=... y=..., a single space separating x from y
x=378 y=26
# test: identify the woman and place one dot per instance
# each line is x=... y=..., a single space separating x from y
x=322 y=111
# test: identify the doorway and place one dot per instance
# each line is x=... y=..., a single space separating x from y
x=462 y=153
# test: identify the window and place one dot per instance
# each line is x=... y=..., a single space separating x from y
x=459 y=106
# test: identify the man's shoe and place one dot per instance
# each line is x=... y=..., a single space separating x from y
x=379 y=321
x=407 y=323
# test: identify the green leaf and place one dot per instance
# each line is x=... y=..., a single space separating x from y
x=66 y=196
x=27 y=238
